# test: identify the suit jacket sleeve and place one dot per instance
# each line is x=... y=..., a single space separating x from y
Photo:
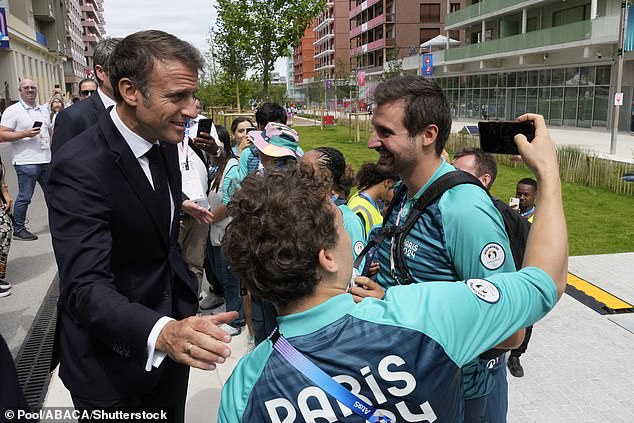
x=63 y=130
x=79 y=214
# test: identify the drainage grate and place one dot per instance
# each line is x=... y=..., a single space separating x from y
x=34 y=359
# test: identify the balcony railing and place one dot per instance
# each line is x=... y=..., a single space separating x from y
x=324 y=38
x=373 y=23
x=360 y=8
x=323 y=21
x=578 y=31
x=374 y=45
x=43 y=11
x=480 y=9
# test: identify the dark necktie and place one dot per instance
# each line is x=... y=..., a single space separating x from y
x=159 y=180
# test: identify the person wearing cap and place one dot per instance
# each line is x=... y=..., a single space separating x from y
x=278 y=146
x=278 y=149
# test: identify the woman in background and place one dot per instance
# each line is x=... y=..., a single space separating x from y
x=239 y=130
x=6 y=232
x=230 y=283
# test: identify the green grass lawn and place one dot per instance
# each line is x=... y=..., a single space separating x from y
x=599 y=222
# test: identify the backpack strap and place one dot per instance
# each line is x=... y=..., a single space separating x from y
x=431 y=194
x=385 y=230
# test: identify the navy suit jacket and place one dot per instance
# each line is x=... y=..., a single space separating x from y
x=119 y=269
x=75 y=119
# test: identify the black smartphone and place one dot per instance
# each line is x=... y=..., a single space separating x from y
x=250 y=129
x=204 y=125
x=37 y=124
x=497 y=136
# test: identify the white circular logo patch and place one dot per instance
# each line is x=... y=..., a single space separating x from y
x=484 y=290
x=492 y=256
x=358 y=247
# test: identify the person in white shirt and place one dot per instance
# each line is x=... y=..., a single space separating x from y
x=27 y=126
x=194 y=166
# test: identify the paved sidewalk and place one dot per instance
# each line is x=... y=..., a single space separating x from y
x=595 y=140
x=578 y=364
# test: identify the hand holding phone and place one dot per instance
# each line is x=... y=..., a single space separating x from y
x=514 y=203
x=204 y=125
x=497 y=136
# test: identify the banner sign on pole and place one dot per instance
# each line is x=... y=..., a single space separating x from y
x=428 y=64
x=4 y=30
x=629 y=29
x=361 y=79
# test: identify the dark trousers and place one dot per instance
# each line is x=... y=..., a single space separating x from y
x=497 y=402
x=168 y=396
x=214 y=282
x=522 y=348
x=230 y=283
x=263 y=317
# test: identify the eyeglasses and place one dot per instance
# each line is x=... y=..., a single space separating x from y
x=86 y=93
x=29 y=88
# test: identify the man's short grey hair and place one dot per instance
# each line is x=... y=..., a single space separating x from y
x=134 y=57
x=102 y=54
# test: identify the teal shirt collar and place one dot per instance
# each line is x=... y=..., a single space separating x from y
x=442 y=169
x=317 y=317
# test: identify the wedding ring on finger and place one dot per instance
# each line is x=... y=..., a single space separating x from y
x=189 y=348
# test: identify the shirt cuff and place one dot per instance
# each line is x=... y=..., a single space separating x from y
x=155 y=358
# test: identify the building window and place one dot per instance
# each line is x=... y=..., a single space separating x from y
x=430 y=12
x=571 y=15
x=454 y=7
x=427 y=34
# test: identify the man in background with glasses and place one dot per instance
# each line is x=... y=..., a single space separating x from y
x=27 y=126
x=86 y=88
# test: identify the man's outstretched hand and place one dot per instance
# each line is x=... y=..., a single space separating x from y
x=197 y=341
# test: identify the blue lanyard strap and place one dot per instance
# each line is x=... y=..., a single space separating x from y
x=325 y=382
x=528 y=212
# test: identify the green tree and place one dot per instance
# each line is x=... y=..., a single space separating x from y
x=394 y=64
x=267 y=28
x=342 y=77
x=232 y=47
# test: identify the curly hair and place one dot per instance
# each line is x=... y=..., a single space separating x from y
x=370 y=175
x=280 y=222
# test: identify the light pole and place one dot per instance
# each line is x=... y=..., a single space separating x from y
x=619 y=76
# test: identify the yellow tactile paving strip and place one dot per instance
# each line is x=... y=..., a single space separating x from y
x=597 y=293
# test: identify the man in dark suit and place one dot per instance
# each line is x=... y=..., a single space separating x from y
x=126 y=335
x=80 y=116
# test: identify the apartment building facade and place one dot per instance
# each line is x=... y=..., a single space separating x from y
x=384 y=30
x=332 y=48
x=93 y=29
x=75 y=65
x=34 y=48
x=556 y=58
